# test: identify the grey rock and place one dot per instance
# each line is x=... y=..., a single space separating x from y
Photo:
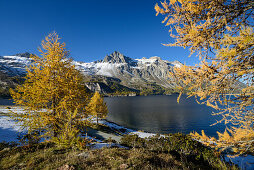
x=84 y=155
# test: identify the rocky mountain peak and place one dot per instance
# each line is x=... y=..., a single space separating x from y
x=117 y=57
x=155 y=58
x=177 y=63
x=26 y=54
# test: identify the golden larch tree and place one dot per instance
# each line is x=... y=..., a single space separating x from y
x=97 y=107
x=220 y=33
x=52 y=95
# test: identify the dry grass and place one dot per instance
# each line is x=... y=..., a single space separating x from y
x=148 y=156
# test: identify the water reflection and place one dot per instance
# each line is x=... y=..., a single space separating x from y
x=162 y=114
x=6 y=102
x=159 y=114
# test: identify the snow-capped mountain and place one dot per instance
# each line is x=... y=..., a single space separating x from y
x=130 y=72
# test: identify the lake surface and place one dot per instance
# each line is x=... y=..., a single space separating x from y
x=6 y=101
x=162 y=114
x=159 y=114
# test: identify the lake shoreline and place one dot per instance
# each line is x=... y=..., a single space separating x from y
x=240 y=160
x=140 y=95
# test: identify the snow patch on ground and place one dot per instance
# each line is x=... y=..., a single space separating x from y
x=108 y=145
x=6 y=110
x=143 y=134
x=115 y=126
x=9 y=129
x=127 y=131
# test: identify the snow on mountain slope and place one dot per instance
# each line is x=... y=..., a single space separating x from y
x=104 y=69
x=14 y=65
x=116 y=65
x=131 y=71
x=147 y=62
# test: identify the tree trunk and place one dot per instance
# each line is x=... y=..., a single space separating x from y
x=54 y=113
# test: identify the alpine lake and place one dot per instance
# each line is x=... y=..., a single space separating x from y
x=159 y=114
x=162 y=114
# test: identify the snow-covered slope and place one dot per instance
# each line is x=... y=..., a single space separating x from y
x=14 y=65
x=129 y=71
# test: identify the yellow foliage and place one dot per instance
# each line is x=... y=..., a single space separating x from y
x=223 y=40
x=97 y=107
x=211 y=26
x=242 y=134
x=204 y=135
x=211 y=105
x=52 y=94
x=241 y=140
x=224 y=137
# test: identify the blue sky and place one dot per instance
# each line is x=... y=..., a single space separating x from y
x=91 y=29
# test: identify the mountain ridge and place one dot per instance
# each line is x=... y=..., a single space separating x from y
x=131 y=71
x=136 y=74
